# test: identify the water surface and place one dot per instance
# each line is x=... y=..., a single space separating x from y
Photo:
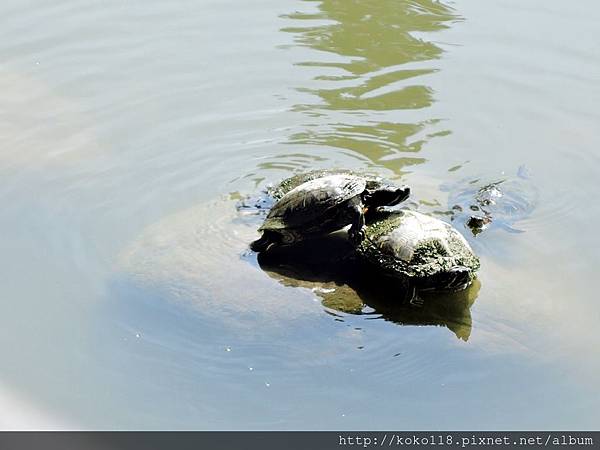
x=128 y=133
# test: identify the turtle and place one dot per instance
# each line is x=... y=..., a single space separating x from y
x=498 y=201
x=326 y=204
x=422 y=251
x=262 y=203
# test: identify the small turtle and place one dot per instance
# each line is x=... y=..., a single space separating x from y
x=325 y=204
x=261 y=204
x=501 y=202
x=422 y=251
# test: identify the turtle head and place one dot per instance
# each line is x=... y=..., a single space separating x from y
x=384 y=193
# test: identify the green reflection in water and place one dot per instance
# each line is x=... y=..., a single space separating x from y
x=347 y=285
x=371 y=44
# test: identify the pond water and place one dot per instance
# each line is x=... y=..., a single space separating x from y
x=130 y=130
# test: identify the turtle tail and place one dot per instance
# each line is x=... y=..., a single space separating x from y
x=264 y=242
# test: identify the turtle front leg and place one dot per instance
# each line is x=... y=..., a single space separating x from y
x=411 y=295
x=357 y=230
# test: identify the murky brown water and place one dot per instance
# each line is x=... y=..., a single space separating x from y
x=129 y=131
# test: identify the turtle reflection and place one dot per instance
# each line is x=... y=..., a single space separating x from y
x=329 y=268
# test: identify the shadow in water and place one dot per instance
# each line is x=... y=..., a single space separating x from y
x=328 y=267
x=199 y=259
x=369 y=58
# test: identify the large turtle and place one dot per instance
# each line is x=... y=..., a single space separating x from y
x=499 y=201
x=425 y=252
x=325 y=204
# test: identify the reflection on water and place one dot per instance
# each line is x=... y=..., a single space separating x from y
x=363 y=84
x=128 y=301
x=328 y=267
x=181 y=259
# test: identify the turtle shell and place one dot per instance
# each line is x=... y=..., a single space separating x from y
x=282 y=188
x=312 y=200
x=413 y=245
x=285 y=186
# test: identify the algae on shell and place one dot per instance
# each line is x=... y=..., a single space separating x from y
x=414 y=245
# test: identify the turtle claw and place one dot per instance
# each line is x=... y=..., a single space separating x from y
x=412 y=297
x=417 y=301
x=356 y=237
